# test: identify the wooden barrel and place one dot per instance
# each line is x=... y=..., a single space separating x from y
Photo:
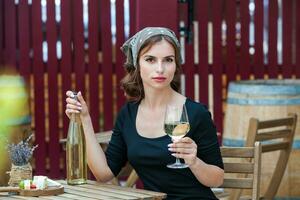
x=265 y=99
x=14 y=118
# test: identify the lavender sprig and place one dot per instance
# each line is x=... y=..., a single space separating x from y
x=21 y=153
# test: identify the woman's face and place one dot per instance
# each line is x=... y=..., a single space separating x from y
x=157 y=65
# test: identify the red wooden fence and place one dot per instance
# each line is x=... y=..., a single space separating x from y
x=94 y=65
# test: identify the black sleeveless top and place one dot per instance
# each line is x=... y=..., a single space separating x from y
x=149 y=156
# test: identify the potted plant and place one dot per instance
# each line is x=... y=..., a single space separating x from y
x=20 y=155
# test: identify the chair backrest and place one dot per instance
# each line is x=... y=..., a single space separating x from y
x=246 y=162
x=275 y=135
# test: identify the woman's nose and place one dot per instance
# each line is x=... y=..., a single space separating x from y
x=160 y=67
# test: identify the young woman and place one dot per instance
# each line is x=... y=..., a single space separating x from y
x=152 y=83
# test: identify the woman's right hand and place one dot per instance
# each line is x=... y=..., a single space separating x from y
x=76 y=106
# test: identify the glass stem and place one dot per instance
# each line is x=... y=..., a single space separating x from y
x=177 y=161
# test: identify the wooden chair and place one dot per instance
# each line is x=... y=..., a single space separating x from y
x=275 y=135
x=239 y=161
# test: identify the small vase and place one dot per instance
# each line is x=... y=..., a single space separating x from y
x=18 y=173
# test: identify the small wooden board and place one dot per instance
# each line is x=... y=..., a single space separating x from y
x=50 y=191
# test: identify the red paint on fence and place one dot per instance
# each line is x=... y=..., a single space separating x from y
x=107 y=71
x=202 y=17
x=244 y=67
x=188 y=67
x=78 y=42
x=66 y=62
x=120 y=58
x=231 y=61
x=217 y=64
x=52 y=90
x=38 y=74
x=93 y=65
x=10 y=34
x=258 y=55
x=132 y=17
x=146 y=12
x=24 y=37
x=273 y=70
x=297 y=39
x=287 y=39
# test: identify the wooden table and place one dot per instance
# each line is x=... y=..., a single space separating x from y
x=95 y=190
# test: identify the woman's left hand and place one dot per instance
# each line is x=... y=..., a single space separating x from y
x=184 y=148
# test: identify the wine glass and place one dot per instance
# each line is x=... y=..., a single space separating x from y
x=176 y=125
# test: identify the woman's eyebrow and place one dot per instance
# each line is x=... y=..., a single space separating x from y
x=170 y=56
x=147 y=55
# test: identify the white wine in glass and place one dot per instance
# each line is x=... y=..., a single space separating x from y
x=176 y=125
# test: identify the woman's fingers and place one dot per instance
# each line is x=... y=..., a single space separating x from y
x=80 y=97
x=183 y=150
x=185 y=142
x=69 y=93
x=73 y=107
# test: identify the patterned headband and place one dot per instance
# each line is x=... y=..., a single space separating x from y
x=132 y=46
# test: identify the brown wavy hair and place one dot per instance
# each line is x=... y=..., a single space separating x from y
x=132 y=82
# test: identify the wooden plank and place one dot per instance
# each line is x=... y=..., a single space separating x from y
x=106 y=48
x=244 y=67
x=10 y=42
x=66 y=63
x=66 y=60
x=276 y=123
x=231 y=61
x=243 y=183
x=68 y=196
x=202 y=17
x=93 y=194
x=147 y=14
x=115 y=192
x=120 y=58
x=1 y=33
x=93 y=65
x=257 y=170
x=24 y=37
x=273 y=69
x=152 y=193
x=258 y=55
x=78 y=41
x=297 y=39
x=217 y=64
x=239 y=167
x=275 y=146
x=100 y=190
x=287 y=39
x=21 y=197
x=189 y=71
x=273 y=135
x=237 y=152
x=132 y=19
x=52 y=66
x=39 y=100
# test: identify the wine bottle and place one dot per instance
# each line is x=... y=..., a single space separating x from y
x=76 y=151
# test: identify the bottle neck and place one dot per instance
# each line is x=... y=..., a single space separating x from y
x=75 y=118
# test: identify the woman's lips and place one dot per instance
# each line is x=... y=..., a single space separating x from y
x=159 y=79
